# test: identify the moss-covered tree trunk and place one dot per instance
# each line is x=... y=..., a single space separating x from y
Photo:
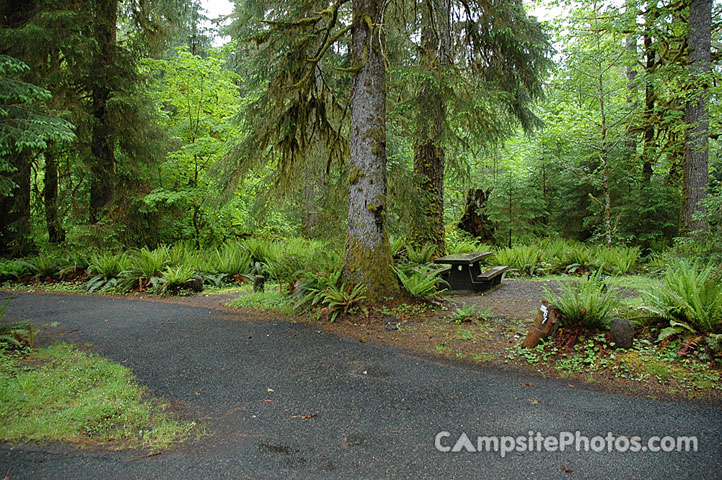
x=649 y=146
x=15 y=230
x=102 y=168
x=695 y=173
x=429 y=157
x=56 y=234
x=367 y=257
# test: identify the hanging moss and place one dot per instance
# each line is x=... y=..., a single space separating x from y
x=355 y=175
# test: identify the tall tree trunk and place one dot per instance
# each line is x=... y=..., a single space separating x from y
x=603 y=132
x=649 y=147
x=429 y=161
x=476 y=219
x=367 y=257
x=314 y=181
x=15 y=231
x=56 y=234
x=696 y=116
x=102 y=169
x=313 y=187
x=631 y=44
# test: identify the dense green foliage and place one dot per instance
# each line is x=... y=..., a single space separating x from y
x=227 y=154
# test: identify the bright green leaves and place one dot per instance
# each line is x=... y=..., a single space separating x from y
x=196 y=98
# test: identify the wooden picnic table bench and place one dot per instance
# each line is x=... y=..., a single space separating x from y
x=464 y=271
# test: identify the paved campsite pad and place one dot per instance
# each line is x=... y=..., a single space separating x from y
x=338 y=408
x=511 y=300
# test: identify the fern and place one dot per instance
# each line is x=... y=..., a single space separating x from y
x=585 y=303
x=17 y=335
x=690 y=294
x=422 y=284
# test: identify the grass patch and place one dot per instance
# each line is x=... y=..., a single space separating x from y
x=270 y=300
x=60 y=393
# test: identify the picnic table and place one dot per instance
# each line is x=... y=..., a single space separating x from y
x=464 y=271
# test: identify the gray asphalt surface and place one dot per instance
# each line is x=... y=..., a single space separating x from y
x=377 y=410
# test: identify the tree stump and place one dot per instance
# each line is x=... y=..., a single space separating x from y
x=259 y=283
x=475 y=220
x=196 y=283
x=544 y=325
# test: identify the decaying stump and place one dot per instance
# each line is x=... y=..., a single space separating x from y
x=196 y=283
x=475 y=219
x=544 y=325
x=259 y=283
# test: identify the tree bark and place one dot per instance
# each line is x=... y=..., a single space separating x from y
x=649 y=147
x=313 y=187
x=102 y=169
x=603 y=132
x=696 y=115
x=631 y=72
x=427 y=227
x=367 y=256
x=15 y=229
x=475 y=219
x=56 y=234
x=314 y=181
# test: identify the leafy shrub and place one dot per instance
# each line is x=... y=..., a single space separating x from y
x=74 y=266
x=460 y=241
x=183 y=253
x=585 y=303
x=286 y=269
x=44 y=267
x=398 y=246
x=578 y=258
x=554 y=249
x=311 y=288
x=288 y=259
x=657 y=263
x=261 y=250
x=216 y=280
x=109 y=265
x=467 y=313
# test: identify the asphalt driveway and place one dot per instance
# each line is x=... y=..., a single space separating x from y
x=283 y=400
